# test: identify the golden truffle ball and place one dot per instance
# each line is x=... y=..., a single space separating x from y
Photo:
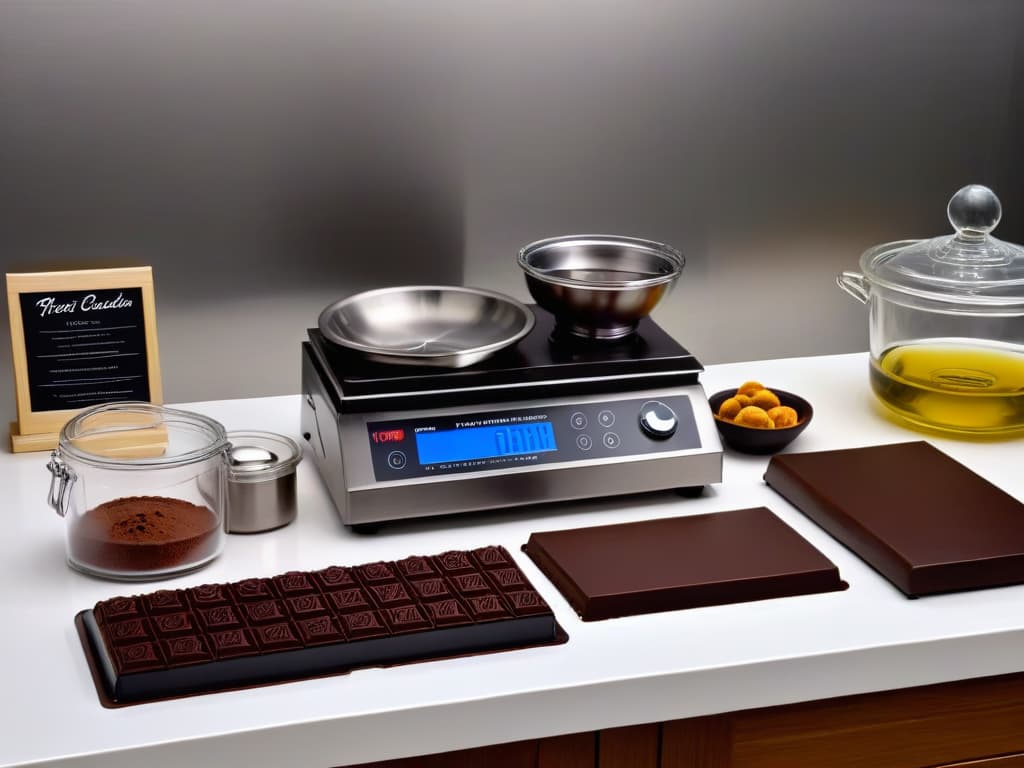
x=749 y=388
x=783 y=416
x=729 y=408
x=752 y=416
x=765 y=398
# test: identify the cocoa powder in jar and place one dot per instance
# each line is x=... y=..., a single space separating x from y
x=143 y=534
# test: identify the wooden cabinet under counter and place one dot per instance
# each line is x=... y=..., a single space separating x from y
x=969 y=724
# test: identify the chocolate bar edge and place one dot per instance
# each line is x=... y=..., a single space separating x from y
x=96 y=651
x=961 y=576
x=335 y=658
x=790 y=485
x=568 y=588
x=714 y=594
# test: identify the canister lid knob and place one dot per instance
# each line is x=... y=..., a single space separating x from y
x=256 y=457
x=251 y=457
x=974 y=211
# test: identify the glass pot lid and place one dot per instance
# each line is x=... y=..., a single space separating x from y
x=967 y=267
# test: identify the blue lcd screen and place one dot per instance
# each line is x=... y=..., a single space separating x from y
x=484 y=442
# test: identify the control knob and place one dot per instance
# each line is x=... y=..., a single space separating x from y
x=658 y=420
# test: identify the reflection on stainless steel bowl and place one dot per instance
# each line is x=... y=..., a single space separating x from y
x=443 y=326
x=599 y=286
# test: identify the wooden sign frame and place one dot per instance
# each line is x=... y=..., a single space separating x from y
x=77 y=301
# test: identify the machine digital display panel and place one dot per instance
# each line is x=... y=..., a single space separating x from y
x=488 y=442
x=485 y=442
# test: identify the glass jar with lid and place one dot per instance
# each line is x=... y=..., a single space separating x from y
x=946 y=322
x=142 y=489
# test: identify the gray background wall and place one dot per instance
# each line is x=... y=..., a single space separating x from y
x=267 y=158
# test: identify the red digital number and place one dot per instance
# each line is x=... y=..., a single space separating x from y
x=389 y=436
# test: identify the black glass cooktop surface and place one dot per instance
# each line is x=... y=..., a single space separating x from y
x=540 y=357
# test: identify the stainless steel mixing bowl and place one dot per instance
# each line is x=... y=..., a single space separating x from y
x=599 y=286
x=444 y=326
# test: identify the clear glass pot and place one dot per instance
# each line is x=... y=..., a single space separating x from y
x=142 y=489
x=947 y=322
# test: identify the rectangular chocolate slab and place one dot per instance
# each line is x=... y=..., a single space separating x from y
x=680 y=562
x=919 y=517
x=311 y=623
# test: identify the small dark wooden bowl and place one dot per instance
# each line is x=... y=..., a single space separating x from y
x=761 y=441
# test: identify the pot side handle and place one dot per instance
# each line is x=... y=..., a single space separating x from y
x=855 y=284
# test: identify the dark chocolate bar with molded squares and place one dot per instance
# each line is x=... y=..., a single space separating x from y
x=304 y=624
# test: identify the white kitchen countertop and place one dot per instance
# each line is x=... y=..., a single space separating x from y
x=610 y=673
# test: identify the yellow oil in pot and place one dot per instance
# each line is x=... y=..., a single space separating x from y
x=956 y=385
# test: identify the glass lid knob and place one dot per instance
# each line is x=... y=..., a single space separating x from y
x=974 y=211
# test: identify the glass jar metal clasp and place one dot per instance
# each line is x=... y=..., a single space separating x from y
x=62 y=477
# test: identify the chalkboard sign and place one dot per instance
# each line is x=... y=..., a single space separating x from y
x=79 y=339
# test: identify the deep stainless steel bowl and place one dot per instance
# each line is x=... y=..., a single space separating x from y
x=599 y=286
x=444 y=326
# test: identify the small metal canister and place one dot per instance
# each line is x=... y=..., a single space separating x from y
x=261 y=481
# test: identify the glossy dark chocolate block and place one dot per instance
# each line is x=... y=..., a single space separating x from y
x=303 y=624
x=919 y=517
x=680 y=562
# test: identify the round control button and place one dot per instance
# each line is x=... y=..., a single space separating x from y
x=658 y=420
x=606 y=418
x=396 y=460
x=611 y=440
x=578 y=421
x=584 y=443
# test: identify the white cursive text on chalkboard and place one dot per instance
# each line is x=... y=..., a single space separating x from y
x=88 y=303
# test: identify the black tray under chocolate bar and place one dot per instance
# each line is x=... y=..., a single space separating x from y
x=304 y=624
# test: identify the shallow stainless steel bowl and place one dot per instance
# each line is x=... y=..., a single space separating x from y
x=444 y=326
x=599 y=286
